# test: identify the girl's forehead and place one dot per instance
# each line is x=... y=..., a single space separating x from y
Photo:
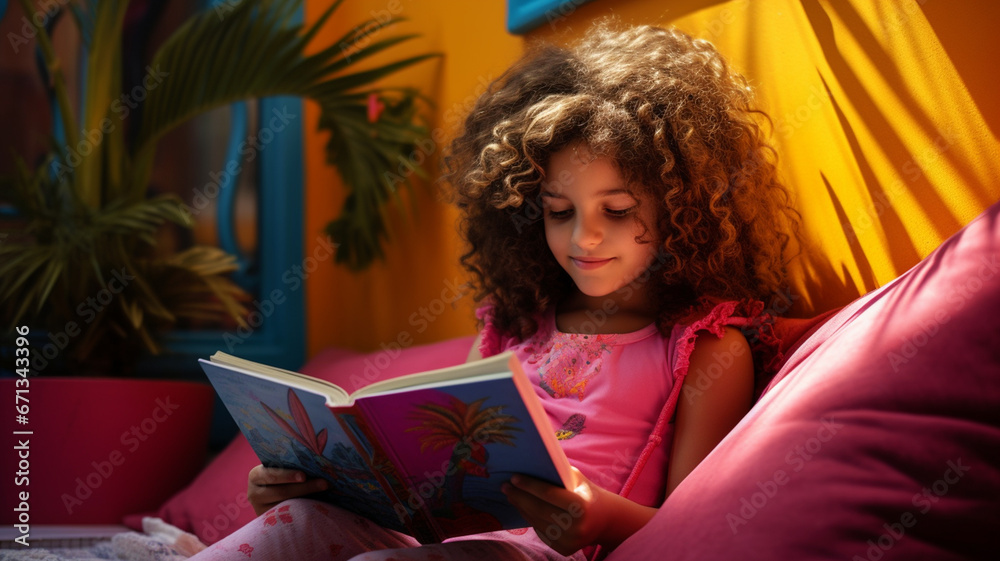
x=577 y=167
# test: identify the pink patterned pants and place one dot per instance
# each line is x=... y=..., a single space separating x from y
x=303 y=530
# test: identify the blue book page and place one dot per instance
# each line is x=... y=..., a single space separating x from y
x=293 y=428
x=458 y=445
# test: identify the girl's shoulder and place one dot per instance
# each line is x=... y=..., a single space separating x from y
x=714 y=317
x=750 y=317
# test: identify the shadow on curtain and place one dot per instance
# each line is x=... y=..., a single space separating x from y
x=883 y=143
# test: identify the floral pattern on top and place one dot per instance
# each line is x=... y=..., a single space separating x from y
x=566 y=364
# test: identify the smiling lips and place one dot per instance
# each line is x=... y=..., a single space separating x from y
x=588 y=263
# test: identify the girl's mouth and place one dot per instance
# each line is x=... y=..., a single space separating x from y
x=588 y=263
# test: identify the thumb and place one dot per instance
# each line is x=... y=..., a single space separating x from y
x=582 y=486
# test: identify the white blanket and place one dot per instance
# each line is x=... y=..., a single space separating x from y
x=158 y=541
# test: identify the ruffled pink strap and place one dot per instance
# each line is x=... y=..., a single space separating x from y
x=756 y=326
x=491 y=342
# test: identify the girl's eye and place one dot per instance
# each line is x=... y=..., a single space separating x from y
x=616 y=213
x=560 y=214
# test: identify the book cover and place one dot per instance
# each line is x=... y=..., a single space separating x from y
x=294 y=428
x=428 y=461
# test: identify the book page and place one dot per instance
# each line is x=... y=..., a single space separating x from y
x=459 y=441
x=334 y=393
x=458 y=444
x=468 y=371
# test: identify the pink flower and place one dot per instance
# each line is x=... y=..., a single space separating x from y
x=246 y=549
x=375 y=108
x=281 y=514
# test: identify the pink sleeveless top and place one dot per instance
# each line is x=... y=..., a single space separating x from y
x=611 y=397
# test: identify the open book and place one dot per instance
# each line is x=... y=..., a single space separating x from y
x=424 y=454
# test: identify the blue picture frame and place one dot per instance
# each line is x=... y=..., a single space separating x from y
x=525 y=15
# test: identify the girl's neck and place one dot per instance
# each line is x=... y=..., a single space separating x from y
x=624 y=311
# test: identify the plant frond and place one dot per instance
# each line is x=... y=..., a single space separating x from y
x=254 y=54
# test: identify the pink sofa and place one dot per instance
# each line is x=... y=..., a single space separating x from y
x=878 y=439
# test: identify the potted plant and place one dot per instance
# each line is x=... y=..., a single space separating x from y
x=85 y=224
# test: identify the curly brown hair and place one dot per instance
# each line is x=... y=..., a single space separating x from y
x=681 y=128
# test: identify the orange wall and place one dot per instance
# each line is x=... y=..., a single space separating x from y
x=885 y=114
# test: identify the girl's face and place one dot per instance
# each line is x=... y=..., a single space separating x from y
x=590 y=222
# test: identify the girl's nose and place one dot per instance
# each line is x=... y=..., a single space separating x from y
x=587 y=232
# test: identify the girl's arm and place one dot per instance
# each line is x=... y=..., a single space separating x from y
x=717 y=393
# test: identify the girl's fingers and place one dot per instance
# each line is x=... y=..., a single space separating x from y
x=534 y=509
x=558 y=497
x=261 y=475
x=273 y=494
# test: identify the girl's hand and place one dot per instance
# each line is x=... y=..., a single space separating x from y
x=267 y=487
x=568 y=520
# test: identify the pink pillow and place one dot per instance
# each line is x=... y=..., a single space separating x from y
x=879 y=438
x=215 y=504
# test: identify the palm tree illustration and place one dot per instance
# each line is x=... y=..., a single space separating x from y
x=467 y=428
x=302 y=431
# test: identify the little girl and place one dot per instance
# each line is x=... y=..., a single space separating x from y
x=624 y=224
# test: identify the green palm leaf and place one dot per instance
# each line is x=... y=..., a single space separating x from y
x=256 y=54
x=86 y=218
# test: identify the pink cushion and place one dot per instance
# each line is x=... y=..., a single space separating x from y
x=215 y=503
x=100 y=447
x=878 y=439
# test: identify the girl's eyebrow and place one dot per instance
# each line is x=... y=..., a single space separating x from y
x=604 y=193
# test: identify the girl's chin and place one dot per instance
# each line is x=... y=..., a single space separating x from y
x=599 y=291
